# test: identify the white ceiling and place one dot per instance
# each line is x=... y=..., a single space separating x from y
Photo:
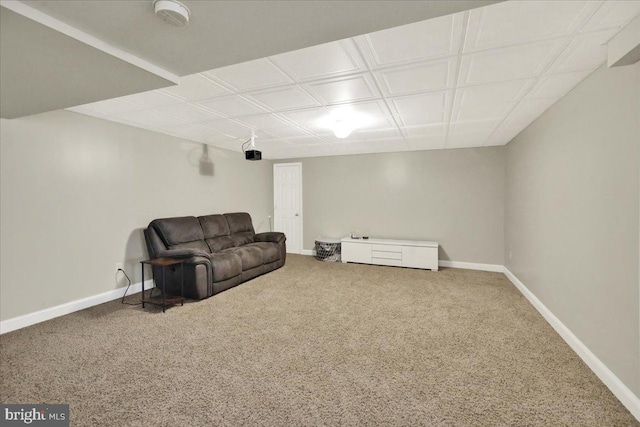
x=60 y=53
x=470 y=79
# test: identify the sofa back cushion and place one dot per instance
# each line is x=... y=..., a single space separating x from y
x=241 y=228
x=216 y=232
x=180 y=233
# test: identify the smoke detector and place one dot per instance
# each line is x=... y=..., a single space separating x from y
x=172 y=12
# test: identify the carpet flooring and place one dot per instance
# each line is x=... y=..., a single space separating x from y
x=314 y=343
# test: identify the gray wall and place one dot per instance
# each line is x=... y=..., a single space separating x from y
x=77 y=191
x=455 y=197
x=572 y=214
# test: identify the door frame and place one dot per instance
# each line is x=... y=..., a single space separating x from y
x=300 y=194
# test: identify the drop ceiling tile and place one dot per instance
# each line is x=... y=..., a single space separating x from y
x=527 y=111
x=257 y=74
x=194 y=87
x=388 y=146
x=304 y=140
x=585 y=52
x=364 y=115
x=270 y=147
x=557 y=84
x=427 y=142
x=344 y=89
x=433 y=38
x=228 y=127
x=377 y=134
x=421 y=110
x=467 y=139
x=613 y=14
x=510 y=63
x=265 y=122
x=187 y=131
x=513 y=22
x=188 y=113
x=421 y=77
x=290 y=132
x=322 y=61
x=231 y=106
x=486 y=102
x=150 y=99
x=148 y=119
x=309 y=118
x=423 y=131
x=474 y=126
x=287 y=98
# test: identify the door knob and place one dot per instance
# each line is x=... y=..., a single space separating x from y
x=297 y=214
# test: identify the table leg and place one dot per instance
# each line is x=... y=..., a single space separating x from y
x=164 y=288
x=142 y=285
x=182 y=284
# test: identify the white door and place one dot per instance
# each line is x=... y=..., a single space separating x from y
x=287 y=203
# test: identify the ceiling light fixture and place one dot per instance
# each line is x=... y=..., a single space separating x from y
x=342 y=129
x=172 y=12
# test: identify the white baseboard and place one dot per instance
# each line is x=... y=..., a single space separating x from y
x=471 y=266
x=69 y=307
x=617 y=387
x=444 y=263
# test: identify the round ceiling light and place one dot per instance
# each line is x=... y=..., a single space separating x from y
x=342 y=129
x=172 y=12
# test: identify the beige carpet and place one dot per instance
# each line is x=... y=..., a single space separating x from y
x=314 y=344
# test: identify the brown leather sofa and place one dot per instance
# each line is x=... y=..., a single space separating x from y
x=220 y=251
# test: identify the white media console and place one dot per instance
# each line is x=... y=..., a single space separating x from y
x=398 y=253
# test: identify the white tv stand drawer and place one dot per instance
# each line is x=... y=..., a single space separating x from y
x=399 y=253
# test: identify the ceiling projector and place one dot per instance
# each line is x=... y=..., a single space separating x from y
x=253 y=155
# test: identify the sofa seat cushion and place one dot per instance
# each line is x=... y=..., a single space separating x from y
x=196 y=244
x=251 y=256
x=225 y=266
x=269 y=251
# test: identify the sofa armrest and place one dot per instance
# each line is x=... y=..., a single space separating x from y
x=183 y=253
x=270 y=236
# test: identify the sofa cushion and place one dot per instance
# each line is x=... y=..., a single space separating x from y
x=270 y=251
x=174 y=231
x=196 y=244
x=225 y=266
x=239 y=222
x=251 y=256
x=240 y=239
x=214 y=226
x=217 y=244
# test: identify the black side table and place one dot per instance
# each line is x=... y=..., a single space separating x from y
x=164 y=302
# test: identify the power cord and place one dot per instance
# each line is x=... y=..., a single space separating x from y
x=244 y=144
x=127 y=290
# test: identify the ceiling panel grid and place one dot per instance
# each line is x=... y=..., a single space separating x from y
x=470 y=79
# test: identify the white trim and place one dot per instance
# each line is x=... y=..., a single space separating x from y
x=617 y=387
x=444 y=263
x=66 y=29
x=69 y=307
x=471 y=266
